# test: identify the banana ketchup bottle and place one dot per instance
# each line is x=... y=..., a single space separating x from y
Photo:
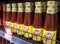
x=4 y=14
x=20 y=18
x=14 y=17
x=38 y=22
x=28 y=19
x=50 y=25
x=8 y=15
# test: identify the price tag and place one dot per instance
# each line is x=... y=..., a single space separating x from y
x=8 y=37
x=8 y=34
x=8 y=31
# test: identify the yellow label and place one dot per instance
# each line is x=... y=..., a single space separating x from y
x=28 y=7
x=27 y=3
x=49 y=35
x=44 y=4
x=38 y=7
x=38 y=3
x=20 y=29
x=11 y=24
x=13 y=27
x=14 y=7
x=8 y=8
x=18 y=26
x=52 y=3
x=20 y=7
x=37 y=33
x=52 y=9
x=7 y=23
x=15 y=30
x=27 y=30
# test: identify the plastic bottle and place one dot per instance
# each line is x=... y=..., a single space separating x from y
x=20 y=18
x=28 y=19
x=50 y=25
x=38 y=22
x=8 y=15
x=14 y=18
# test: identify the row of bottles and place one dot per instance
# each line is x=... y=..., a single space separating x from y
x=39 y=19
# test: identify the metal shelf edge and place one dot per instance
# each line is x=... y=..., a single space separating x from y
x=15 y=40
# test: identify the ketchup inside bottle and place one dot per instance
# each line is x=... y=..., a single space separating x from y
x=28 y=19
x=20 y=18
x=51 y=22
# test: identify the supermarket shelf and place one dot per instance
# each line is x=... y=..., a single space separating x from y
x=15 y=39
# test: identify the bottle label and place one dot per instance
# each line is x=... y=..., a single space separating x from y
x=7 y=23
x=50 y=35
x=11 y=24
x=52 y=7
x=14 y=7
x=27 y=31
x=52 y=3
x=18 y=27
x=8 y=8
x=44 y=4
x=20 y=30
x=15 y=30
x=38 y=3
x=38 y=7
x=37 y=33
x=28 y=7
x=20 y=7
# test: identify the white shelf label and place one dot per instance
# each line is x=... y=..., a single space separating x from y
x=8 y=37
x=8 y=34
x=8 y=31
